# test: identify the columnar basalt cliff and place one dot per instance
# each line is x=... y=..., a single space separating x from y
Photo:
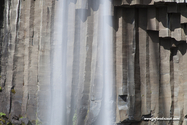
x=149 y=60
x=25 y=53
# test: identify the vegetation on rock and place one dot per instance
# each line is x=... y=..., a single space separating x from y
x=2 y=114
x=13 y=91
x=75 y=118
x=4 y=120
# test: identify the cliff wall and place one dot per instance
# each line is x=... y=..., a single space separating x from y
x=149 y=59
x=25 y=57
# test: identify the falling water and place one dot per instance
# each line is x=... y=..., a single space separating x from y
x=59 y=48
x=60 y=114
x=108 y=113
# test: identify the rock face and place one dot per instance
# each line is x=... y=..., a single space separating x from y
x=149 y=59
x=25 y=57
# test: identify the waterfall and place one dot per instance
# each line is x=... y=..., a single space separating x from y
x=82 y=48
x=58 y=80
x=107 y=65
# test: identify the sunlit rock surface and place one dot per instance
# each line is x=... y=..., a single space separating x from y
x=149 y=59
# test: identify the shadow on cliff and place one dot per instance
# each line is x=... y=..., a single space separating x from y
x=169 y=43
x=93 y=4
x=82 y=15
x=141 y=1
x=2 y=4
x=89 y=6
x=153 y=46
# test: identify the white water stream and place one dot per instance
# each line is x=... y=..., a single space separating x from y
x=58 y=106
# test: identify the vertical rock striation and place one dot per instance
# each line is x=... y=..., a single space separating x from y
x=26 y=36
x=149 y=59
x=157 y=73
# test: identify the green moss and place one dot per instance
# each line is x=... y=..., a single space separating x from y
x=9 y=123
x=75 y=118
x=13 y=91
x=2 y=114
x=0 y=89
x=2 y=120
x=86 y=115
x=37 y=122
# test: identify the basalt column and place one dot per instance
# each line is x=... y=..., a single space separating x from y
x=150 y=51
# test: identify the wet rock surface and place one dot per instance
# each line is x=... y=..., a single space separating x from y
x=149 y=55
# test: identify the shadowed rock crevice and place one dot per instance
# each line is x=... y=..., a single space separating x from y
x=2 y=7
x=160 y=52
